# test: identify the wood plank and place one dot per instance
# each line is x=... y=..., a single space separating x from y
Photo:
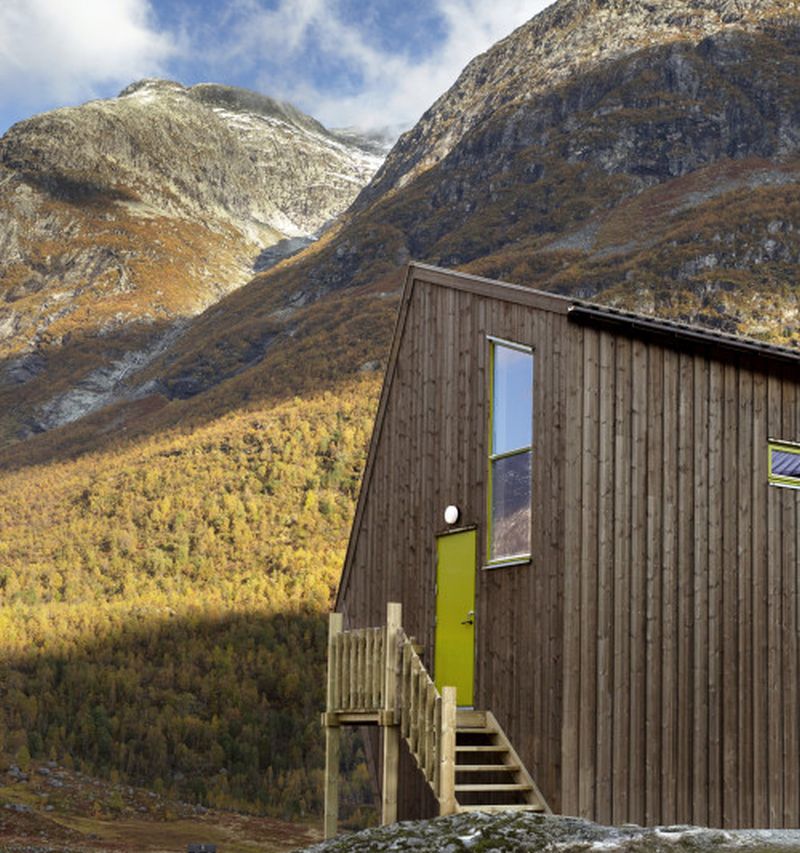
x=604 y=790
x=669 y=590
x=546 y=764
x=686 y=491
x=759 y=633
x=587 y=735
x=701 y=655
x=789 y=622
x=729 y=585
x=621 y=538
x=572 y=573
x=715 y=604
x=637 y=736
x=775 y=498
x=331 y=798
x=743 y=528
x=654 y=696
x=447 y=761
x=335 y=621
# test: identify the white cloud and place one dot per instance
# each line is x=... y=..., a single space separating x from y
x=64 y=50
x=395 y=88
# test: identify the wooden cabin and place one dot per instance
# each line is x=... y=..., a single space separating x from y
x=591 y=520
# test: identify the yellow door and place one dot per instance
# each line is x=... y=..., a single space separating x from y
x=454 y=655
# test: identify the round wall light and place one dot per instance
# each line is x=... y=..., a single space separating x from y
x=452 y=514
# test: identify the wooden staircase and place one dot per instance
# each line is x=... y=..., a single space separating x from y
x=489 y=774
x=377 y=677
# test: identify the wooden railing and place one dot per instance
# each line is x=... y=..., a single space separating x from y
x=425 y=723
x=358 y=661
x=375 y=675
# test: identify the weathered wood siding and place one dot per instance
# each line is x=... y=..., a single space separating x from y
x=681 y=588
x=646 y=663
x=431 y=452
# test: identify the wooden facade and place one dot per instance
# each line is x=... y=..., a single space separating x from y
x=646 y=660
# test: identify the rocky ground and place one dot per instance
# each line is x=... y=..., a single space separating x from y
x=482 y=833
x=51 y=809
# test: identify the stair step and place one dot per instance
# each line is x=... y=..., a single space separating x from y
x=492 y=788
x=482 y=748
x=528 y=807
x=476 y=730
x=487 y=768
x=470 y=719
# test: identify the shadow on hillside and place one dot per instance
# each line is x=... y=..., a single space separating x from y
x=254 y=362
x=217 y=710
x=76 y=188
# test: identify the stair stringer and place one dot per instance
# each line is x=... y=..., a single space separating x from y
x=484 y=723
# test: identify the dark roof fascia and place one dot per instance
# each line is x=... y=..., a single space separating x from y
x=592 y=313
x=678 y=334
x=388 y=379
x=491 y=288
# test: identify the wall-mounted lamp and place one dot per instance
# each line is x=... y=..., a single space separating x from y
x=451 y=514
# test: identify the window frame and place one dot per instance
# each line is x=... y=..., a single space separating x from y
x=781 y=480
x=521 y=558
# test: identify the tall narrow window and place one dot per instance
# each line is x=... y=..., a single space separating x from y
x=784 y=465
x=510 y=452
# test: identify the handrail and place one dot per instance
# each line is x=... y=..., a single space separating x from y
x=420 y=711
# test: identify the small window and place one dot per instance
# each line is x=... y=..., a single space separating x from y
x=510 y=452
x=784 y=465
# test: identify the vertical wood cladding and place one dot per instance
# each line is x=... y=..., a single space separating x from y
x=681 y=588
x=431 y=452
x=646 y=662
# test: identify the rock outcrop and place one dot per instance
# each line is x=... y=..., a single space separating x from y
x=122 y=216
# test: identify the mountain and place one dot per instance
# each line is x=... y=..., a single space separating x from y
x=643 y=154
x=123 y=217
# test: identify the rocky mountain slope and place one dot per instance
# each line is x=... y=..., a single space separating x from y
x=119 y=217
x=565 y=41
x=643 y=154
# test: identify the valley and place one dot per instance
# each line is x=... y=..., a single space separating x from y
x=198 y=287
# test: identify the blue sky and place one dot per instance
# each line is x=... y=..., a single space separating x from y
x=347 y=62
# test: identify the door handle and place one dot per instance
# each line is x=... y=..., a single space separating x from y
x=470 y=620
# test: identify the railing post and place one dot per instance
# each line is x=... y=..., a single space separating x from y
x=391 y=730
x=447 y=756
x=332 y=732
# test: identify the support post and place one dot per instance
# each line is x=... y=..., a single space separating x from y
x=447 y=757
x=332 y=733
x=391 y=733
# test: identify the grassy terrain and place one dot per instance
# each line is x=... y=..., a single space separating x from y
x=64 y=810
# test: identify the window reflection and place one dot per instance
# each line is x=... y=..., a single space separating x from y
x=510 y=454
x=785 y=463
x=512 y=426
x=511 y=506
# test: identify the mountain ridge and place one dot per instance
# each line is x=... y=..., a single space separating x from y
x=548 y=50
x=121 y=218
